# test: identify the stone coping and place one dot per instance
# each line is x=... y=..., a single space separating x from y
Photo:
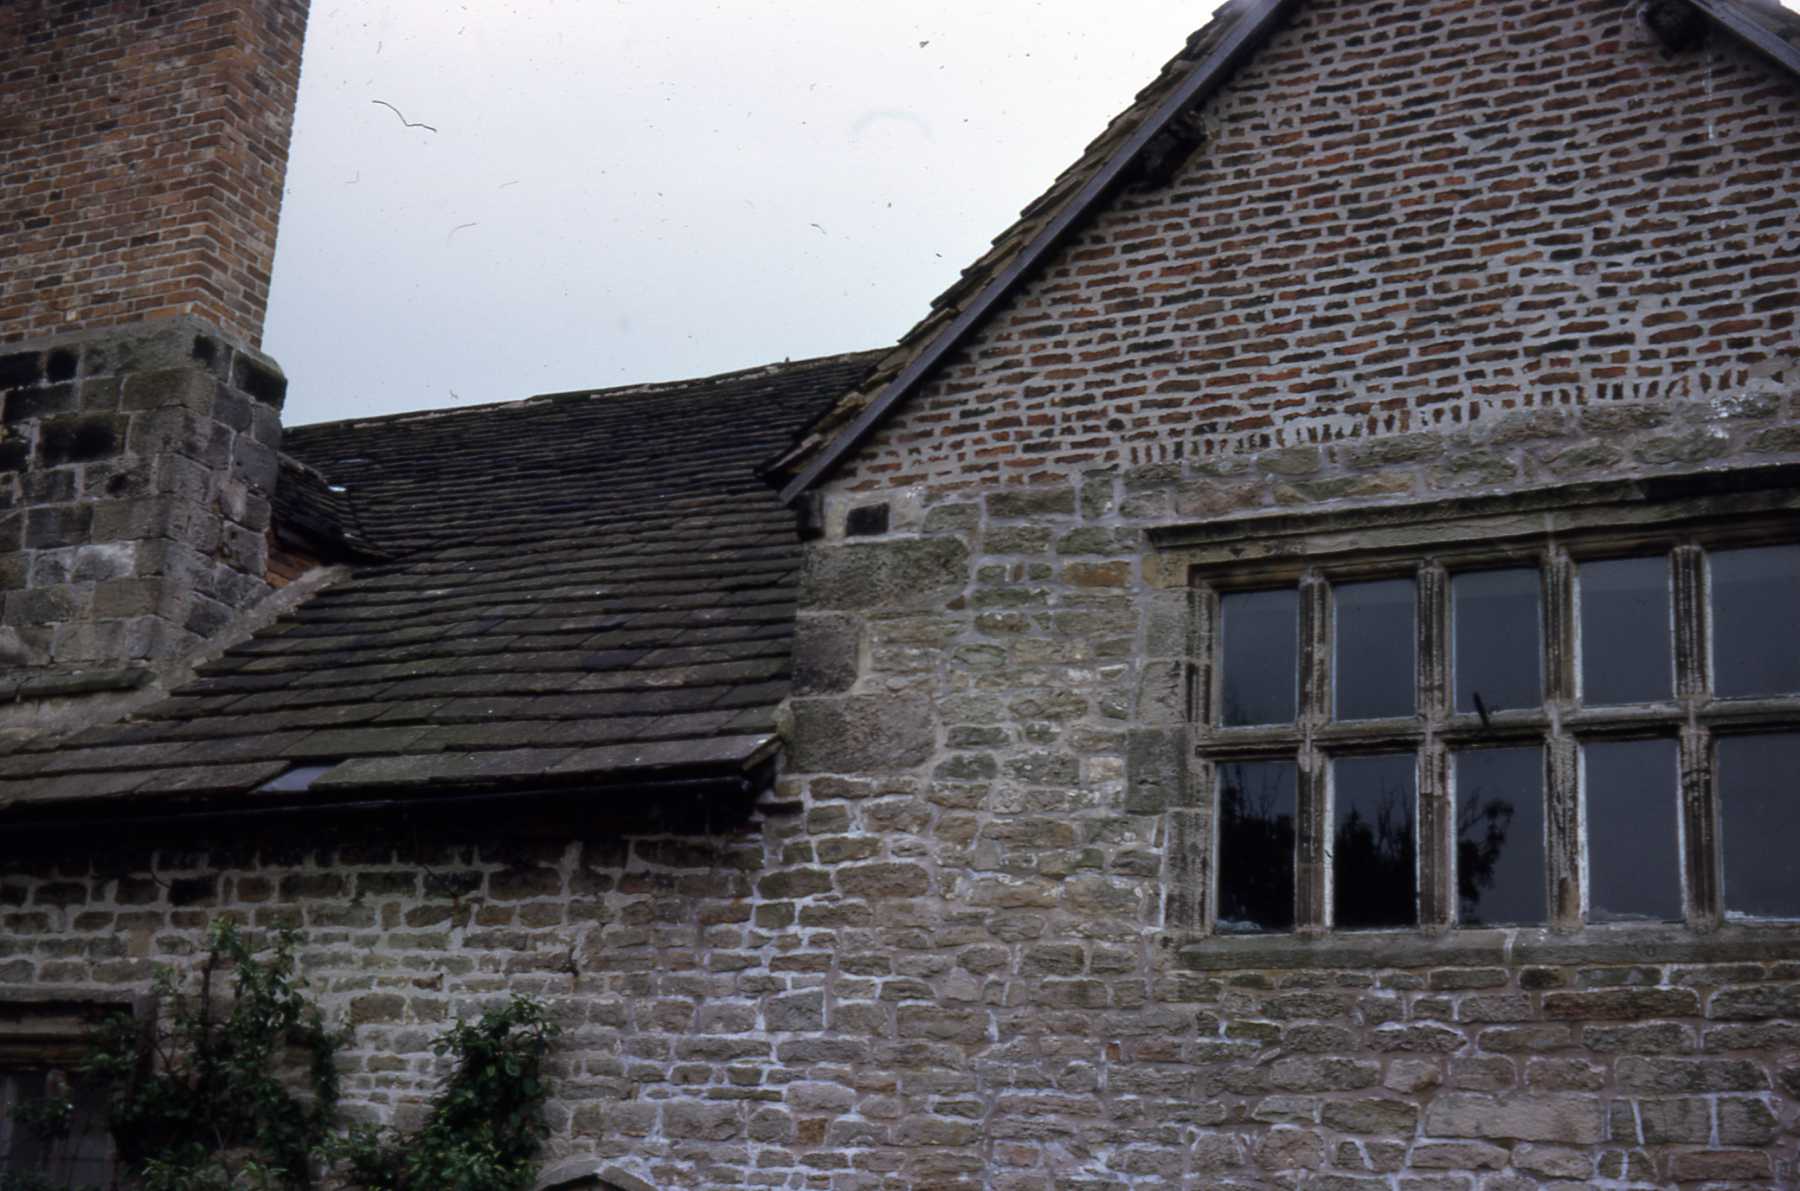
x=1735 y=943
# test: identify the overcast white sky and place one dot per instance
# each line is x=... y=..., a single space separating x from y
x=630 y=190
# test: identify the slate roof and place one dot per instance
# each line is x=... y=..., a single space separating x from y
x=1138 y=140
x=579 y=589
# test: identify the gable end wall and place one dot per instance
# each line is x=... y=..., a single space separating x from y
x=1417 y=217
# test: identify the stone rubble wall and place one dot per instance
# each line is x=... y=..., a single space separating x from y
x=1008 y=755
x=828 y=1002
x=136 y=469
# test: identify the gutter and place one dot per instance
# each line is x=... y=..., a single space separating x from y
x=1202 y=82
x=696 y=794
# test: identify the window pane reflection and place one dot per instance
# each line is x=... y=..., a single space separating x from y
x=1496 y=643
x=1261 y=656
x=1374 y=849
x=1756 y=600
x=1257 y=808
x=1634 y=857
x=1375 y=642
x=1626 y=652
x=1759 y=809
x=1500 y=837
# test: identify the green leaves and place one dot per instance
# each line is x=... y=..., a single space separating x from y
x=208 y=1098
x=240 y=1092
x=486 y=1123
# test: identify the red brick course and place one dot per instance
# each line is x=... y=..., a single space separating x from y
x=143 y=149
x=1407 y=216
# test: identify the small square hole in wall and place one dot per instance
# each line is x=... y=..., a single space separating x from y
x=61 y=365
x=866 y=521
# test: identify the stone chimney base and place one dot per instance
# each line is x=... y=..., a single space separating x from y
x=136 y=468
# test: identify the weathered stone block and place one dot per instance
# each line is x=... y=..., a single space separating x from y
x=23 y=405
x=58 y=525
x=827 y=648
x=1393 y=1118
x=80 y=438
x=702 y=1122
x=1622 y=1004
x=1637 y=1073
x=884 y=574
x=1755 y=1002
x=169 y=388
x=1459 y=1155
x=795 y=1012
x=1747 y=1122
x=878 y=881
x=861 y=733
x=1156 y=769
x=1022 y=503
x=1577 y=1120
x=1736 y=1166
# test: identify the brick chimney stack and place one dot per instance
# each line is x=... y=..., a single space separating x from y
x=143 y=148
x=143 y=151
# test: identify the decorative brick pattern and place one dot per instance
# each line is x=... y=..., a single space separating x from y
x=1406 y=217
x=137 y=469
x=143 y=149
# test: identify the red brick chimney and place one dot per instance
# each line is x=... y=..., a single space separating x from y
x=143 y=148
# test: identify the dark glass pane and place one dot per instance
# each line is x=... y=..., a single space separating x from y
x=1500 y=837
x=1759 y=805
x=20 y=1151
x=1627 y=651
x=1374 y=848
x=1756 y=621
x=1256 y=846
x=1261 y=656
x=1495 y=622
x=1634 y=852
x=1375 y=645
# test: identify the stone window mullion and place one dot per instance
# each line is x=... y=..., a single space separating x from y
x=1701 y=859
x=1563 y=844
x=1437 y=816
x=1311 y=875
x=1700 y=829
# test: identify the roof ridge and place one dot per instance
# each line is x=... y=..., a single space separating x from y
x=645 y=388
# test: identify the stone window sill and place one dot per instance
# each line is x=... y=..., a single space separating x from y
x=1734 y=943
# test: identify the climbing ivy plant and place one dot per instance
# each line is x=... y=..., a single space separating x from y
x=240 y=1093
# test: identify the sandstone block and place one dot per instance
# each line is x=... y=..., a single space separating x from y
x=862 y=733
x=826 y=648
x=1032 y=502
x=877 y=881
x=885 y=574
x=1393 y=1118
x=1577 y=1120
x=701 y=1122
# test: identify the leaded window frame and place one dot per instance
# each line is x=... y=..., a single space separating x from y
x=1552 y=529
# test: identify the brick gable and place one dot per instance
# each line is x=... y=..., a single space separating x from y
x=1405 y=217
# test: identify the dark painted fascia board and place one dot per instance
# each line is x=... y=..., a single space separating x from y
x=698 y=795
x=1208 y=75
x=1759 y=37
